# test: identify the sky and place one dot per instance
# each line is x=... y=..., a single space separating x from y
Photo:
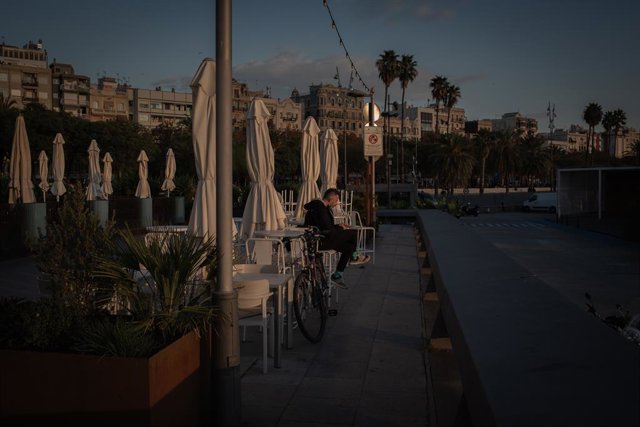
x=506 y=55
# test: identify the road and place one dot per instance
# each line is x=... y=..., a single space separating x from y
x=571 y=260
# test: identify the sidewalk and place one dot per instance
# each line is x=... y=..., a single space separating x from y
x=368 y=369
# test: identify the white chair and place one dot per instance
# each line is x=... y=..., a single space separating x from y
x=329 y=260
x=266 y=251
x=253 y=311
x=365 y=234
x=346 y=202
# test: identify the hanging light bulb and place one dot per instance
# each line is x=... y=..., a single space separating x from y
x=324 y=3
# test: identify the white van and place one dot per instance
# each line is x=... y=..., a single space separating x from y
x=541 y=201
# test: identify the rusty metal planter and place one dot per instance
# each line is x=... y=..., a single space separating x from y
x=165 y=389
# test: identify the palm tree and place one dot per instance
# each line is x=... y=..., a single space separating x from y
x=453 y=161
x=619 y=121
x=484 y=142
x=438 y=87
x=507 y=155
x=608 y=123
x=592 y=115
x=407 y=72
x=451 y=99
x=534 y=159
x=387 y=65
x=8 y=103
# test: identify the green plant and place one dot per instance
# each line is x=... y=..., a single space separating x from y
x=115 y=336
x=169 y=300
x=70 y=252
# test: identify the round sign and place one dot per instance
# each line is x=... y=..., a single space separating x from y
x=373 y=139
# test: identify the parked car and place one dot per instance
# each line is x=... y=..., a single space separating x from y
x=541 y=202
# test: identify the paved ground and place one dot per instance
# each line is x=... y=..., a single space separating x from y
x=573 y=261
x=369 y=368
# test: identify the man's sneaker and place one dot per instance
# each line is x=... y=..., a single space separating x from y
x=361 y=259
x=339 y=281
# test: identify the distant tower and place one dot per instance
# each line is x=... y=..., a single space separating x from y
x=551 y=114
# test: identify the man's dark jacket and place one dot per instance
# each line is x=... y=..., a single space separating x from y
x=320 y=215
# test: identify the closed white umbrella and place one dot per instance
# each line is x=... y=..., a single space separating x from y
x=203 y=118
x=309 y=165
x=94 y=189
x=57 y=167
x=169 y=173
x=107 y=175
x=263 y=210
x=43 y=166
x=20 y=185
x=328 y=160
x=143 y=191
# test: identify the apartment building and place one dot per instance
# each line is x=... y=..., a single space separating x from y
x=285 y=114
x=70 y=91
x=24 y=74
x=333 y=107
x=151 y=108
x=515 y=121
x=109 y=100
x=426 y=118
x=472 y=127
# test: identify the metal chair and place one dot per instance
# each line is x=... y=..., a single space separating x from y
x=266 y=251
x=365 y=234
x=253 y=311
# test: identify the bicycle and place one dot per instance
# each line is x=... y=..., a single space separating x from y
x=311 y=290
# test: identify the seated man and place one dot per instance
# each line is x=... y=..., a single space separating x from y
x=337 y=237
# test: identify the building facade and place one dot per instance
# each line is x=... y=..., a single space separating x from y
x=426 y=118
x=70 y=91
x=333 y=107
x=24 y=74
x=150 y=108
x=515 y=121
x=109 y=100
x=472 y=127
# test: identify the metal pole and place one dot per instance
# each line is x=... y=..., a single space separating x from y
x=226 y=406
x=344 y=131
x=372 y=187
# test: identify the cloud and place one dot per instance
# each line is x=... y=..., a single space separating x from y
x=398 y=12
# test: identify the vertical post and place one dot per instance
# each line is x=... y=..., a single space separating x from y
x=599 y=194
x=372 y=173
x=226 y=350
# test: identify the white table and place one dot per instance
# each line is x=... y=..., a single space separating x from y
x=278 y=282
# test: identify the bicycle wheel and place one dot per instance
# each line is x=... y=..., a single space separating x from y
x=309 y=307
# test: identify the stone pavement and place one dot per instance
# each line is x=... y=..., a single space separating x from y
x=369 y=368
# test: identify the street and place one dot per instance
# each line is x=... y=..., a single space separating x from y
x=571 y=260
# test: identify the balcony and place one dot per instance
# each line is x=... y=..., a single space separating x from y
x=31 y=82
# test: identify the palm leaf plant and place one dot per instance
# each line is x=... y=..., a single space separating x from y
x=171 y=297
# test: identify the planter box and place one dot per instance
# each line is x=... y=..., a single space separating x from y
x=72 y=389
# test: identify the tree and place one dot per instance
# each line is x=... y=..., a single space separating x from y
x=506 y=155
x=619 y=121
x=7 y=103
x=406 y=74
x=634 y=151
x=592 y=115
x=453 y=161
x=438 y=87
x=387 y=66
x=534 y=159
x=608 y=124
x=452 y=96
x=484 y=143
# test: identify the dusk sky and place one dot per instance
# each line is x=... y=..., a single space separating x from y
x=506 y=55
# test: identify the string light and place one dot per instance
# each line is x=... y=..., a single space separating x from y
x=342 y=44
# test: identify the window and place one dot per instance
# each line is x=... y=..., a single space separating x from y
x=16 y=92
x=143 y=117
x=144 y=105
x=4 y=77
x=120 y=107
x=94 y=105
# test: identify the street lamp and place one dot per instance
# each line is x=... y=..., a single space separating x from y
x=349 y=94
